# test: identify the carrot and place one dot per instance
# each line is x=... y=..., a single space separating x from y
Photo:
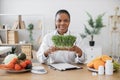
x=3 y=66
x=10 y=65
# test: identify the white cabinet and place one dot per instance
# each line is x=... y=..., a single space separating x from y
x=92 y=52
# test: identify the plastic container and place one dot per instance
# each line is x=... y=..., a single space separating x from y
x=109 y=67
x=101 y=70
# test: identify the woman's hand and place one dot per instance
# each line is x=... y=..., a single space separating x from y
x=50 y=50
x=77 y=50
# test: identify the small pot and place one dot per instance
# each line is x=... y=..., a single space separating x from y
x=91 y=43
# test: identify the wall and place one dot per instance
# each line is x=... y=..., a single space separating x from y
x=77 y=9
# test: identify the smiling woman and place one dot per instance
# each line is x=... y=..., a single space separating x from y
x=50 y=50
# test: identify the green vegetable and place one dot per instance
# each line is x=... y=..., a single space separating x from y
x=22 y=56
x=116 y=66
x=62 y=41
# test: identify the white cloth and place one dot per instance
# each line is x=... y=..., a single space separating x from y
x=61 y=55
x=4 y=49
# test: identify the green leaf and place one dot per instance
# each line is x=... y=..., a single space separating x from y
x=30 y=26
x=62 y=41
x=87 y=31
x=99 y=21
x=90 y=21
x=30 y=29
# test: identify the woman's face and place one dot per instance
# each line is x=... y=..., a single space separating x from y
x=62 y=22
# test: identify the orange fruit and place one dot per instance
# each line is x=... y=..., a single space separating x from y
x=90 y=64
x=105 y=57
x=98 y=63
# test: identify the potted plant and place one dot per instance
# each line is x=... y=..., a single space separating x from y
x=30 y=29
x=93 y=28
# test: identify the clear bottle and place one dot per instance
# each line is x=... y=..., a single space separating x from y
x=109 y=67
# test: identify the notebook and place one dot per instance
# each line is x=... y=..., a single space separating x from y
x=64 y=66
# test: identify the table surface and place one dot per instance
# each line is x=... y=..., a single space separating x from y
x=78 y=74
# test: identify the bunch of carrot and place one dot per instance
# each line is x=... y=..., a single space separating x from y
x=16 y=64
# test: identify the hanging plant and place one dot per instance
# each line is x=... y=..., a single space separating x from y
x=30 y=29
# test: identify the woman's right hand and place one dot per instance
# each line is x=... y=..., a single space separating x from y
x=50 y=50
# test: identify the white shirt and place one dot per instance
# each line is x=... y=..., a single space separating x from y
x=61 y=55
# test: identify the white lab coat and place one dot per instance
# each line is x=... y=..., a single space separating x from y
x=61 y=55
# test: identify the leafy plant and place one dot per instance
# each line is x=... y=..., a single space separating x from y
x=94 y=26
x=62 y=41
x=30 y=29
x=116 y=66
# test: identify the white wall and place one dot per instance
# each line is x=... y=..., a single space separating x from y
x=77 y=9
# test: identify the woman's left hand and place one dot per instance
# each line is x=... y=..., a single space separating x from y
x=76 y=49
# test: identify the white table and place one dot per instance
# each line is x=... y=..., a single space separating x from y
x=4 y=49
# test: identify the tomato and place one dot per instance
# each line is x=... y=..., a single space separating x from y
x=18 y=67
x=27 y=61
x=23 y=64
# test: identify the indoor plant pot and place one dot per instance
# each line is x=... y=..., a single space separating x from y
x=91 y=43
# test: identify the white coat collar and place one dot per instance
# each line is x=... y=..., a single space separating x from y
x=56 y=33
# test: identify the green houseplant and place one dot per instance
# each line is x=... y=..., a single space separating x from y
x=94 y=27
x=30 y=29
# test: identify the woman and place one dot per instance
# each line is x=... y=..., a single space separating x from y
x=48 y=53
